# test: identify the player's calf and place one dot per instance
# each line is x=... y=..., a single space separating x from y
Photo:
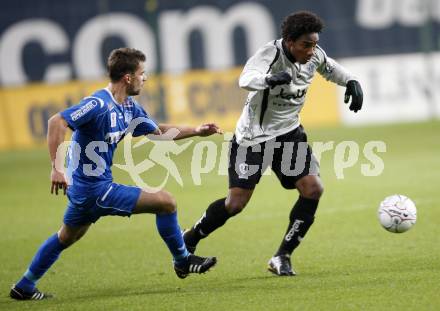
x=214 y=217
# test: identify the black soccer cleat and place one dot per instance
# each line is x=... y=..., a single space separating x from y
x=194 y=264
x=19 y=294
x=189 y=246
x=281 y=266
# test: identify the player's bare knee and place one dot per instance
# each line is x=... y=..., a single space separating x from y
x=235 y=206
x=66 y=238
x=237 y=200
x=168 y=203
x=318 y=191
x=69 y=235
x=312 y=191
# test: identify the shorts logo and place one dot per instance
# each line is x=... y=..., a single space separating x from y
x=83 y=110
x=244 y=169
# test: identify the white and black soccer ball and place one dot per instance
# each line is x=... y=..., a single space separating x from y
x=397 y=213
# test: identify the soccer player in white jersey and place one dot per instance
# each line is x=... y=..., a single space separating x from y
x=99 y=122
x=269 y=132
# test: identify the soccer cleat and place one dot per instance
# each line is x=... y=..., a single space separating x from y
x=19 y=294
x=280 y=265
x=189 y=247
x=194 y=264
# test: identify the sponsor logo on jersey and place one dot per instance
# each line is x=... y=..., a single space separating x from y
x=83 y=110
x=295 y=95
x=113 y=119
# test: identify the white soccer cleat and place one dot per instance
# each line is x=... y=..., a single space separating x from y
x=281 y=266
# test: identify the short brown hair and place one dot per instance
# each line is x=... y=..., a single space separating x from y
x=122 y=61
x=297 y=24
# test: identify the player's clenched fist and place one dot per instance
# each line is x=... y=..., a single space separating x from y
x=278 y=78
x=357 y=97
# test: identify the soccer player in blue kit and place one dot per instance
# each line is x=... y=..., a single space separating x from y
x=99 y=122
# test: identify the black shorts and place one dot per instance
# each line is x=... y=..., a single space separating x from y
x=289 y=156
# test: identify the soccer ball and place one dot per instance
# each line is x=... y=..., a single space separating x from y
x=397 y=213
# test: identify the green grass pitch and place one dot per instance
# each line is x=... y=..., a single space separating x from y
x=346 y=262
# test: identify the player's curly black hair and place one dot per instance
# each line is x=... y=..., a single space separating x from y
x=122 y=61
x=300 y=23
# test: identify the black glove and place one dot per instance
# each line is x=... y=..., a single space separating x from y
x=357 y=97
x=278 y=78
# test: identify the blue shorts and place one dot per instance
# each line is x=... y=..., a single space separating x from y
x=88 y=205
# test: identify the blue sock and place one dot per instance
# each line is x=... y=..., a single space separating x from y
x=169 y=230
x=46 y=255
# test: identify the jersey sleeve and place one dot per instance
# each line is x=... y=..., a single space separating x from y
x=330 y=69
x=142 y=123
x=84 y=112
x=257 y=68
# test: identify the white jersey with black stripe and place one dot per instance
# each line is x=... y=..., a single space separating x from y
x=270 y=112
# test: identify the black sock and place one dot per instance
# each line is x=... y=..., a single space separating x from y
x=301 y=217
x=214 y=217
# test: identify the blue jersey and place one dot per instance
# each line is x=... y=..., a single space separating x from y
x=99 y=123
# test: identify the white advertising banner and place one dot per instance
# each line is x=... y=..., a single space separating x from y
x=396 y=88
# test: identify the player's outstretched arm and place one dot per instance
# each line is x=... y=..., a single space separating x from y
x=333 y=71
x=180 y=132
x=57 y=128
